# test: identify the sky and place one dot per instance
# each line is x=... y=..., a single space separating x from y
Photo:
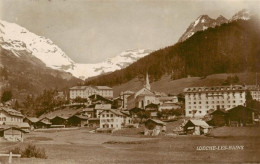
x=90 y=31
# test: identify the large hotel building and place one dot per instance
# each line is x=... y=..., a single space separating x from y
x=200 y=100
x=86 y=91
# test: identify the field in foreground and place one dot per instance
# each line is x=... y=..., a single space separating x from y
x=79 y=146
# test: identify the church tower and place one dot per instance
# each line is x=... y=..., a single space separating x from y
x=147 y=83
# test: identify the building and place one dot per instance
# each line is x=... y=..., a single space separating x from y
x=196 y=127
x=153 y=109
x=10 y=116
x=142 y=98
x=31 y=121
x=13 y=134
x=154 y=127
x=169 y=106
x=218 y=118
x=124 y=96
x=255 y=91
x=199 y=100
x=100 y=107
x=111 y=118
x=86 y=91
x=78 y=120
x=242 y=116
x=168 y=99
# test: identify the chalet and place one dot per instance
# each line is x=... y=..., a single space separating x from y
x=97 y=99
x=11 y=133
x=127 y=119
x=89 y=112
x=111 y=118
x=153 y=108
x=10 y=116
x=100 y=107
x=169 y=106
x=31 y=121
x=196 y=127
x=118 y=103
x=93 y=122
x=43 y=123
x=154 y=127
x=218 y=118
x=59 y=120
x=133 y=112
x=78 y=120
x=242 y=116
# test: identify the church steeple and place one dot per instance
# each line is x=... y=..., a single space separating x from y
x=147 y=83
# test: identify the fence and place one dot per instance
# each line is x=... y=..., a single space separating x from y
x=10 y=155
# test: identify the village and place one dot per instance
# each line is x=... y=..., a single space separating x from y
x=199 y=111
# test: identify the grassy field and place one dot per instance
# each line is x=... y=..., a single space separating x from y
x=165 y=84
x=79 y=146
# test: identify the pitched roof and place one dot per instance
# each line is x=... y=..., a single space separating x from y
x=78 y=87
x=32 y=119
x=157 y=121
x=103 y=88
x=18 y=124
x=11 y=111
x=218 y=111
x=6 y=127
x=199 y=123
x=240 y=107
x=103 y=106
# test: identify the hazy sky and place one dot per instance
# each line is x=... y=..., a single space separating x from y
x=90 y=31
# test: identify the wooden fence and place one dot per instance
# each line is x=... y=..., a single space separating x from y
x=10 y=155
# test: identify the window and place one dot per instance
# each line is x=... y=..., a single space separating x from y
x=234 y=101
x=107 y=115
x=199 y=111
x=207 y=102
x=194 y=102
x=199 y=102
x=189 y=112
x=111 y=115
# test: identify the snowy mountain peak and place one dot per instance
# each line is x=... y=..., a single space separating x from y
x=18 y=40
x=242 y=14
x=203 y=22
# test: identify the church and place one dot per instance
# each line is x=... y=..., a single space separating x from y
x=142 y=97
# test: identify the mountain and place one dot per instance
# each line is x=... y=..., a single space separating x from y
x=228 y=48
x=15 y=38
x=203 y=22
x=242 y=15
x=118 y=62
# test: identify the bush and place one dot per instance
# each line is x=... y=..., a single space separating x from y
x=30 y=151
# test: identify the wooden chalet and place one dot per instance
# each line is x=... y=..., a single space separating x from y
x=154 y=127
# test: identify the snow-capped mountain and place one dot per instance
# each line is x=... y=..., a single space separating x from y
x=123 y=60
x=18 y=40
x=203 y=22
x=243 y=14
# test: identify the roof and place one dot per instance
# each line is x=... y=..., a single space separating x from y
x=126 y=113
x=103 y=88
x=94 y=119
x=199 y=123
x=157 y=121
x=103 y=106
x=218 y=111
x=81 y=117
x=78 y=88
x=170 y=104
x=45 y=122
x=253 y=87
x=152 y=105
x=62 y=117
x=11 y=111
x=5 y=127
x=88 y=110
x=32 y=119
x=167 y=98
x=215 y=88
x=240 y=107
x=18 y=124
x=113 y=111
x=66 y=112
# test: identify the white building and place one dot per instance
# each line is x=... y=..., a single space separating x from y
x=199 y=100
x=10 y=116
x=111 y=118
x=255 y=91
x=86 y=91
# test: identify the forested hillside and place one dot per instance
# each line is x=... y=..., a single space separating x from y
x=229 y=48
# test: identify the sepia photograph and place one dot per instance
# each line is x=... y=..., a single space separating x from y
x=129 y=81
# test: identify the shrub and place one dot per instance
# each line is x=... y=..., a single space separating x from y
x=30 y=151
